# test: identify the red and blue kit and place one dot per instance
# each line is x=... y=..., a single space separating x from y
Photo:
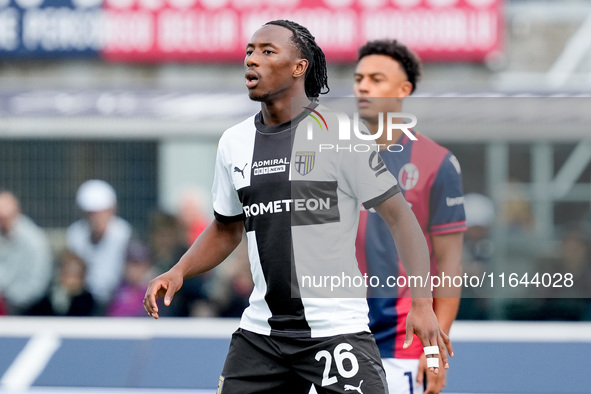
x=429 y=176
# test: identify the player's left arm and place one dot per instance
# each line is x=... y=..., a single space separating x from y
x=446 y=301
x=412 y=247
x=447 y=223
x=448 y=252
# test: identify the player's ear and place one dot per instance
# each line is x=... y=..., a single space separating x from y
x=300 y=68
x=405 y=89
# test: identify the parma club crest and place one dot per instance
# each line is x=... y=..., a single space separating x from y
x=304 y=162
x=220 y=385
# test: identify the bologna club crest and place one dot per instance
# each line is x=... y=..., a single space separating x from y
x=408 y=176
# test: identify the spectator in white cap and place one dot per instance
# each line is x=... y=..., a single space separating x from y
x=100 y=238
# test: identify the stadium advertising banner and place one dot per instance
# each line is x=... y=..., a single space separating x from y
x=37 y=28
x=217 y=30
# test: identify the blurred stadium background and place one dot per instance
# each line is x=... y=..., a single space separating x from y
x=137 y=92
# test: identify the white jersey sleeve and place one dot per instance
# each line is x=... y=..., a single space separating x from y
x=226 y=204
x=366 y=177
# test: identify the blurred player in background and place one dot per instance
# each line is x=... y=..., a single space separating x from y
x=429 y=176
x=286 y=341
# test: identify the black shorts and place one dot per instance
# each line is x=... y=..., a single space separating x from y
x=345 y=364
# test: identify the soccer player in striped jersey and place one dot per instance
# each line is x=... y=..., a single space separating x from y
x=429 y=177
x=300 y=210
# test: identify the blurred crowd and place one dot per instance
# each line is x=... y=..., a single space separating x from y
x=104 y=267
x=569 y=254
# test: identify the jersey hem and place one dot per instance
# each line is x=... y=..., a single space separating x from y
x=450 y=231
x=314 y=333
x=228 y=219
x=381 y=198
x=446 y=228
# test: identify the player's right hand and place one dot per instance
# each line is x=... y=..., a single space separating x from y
x=435 y=382
x=421 y=320
x=165 y=285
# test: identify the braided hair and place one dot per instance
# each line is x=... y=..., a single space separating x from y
x=410 y=62
x=316 y=78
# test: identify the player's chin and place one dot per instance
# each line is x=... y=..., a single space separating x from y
x=255 y=96
x=368 y=113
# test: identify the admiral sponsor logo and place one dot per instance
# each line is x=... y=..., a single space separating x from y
x=453 y=201
x=271 y=166
x=297 y=204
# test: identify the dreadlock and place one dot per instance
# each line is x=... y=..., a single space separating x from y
x=316 y=78
x=410 y=62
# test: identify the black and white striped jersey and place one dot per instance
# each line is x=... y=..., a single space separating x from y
x=300 y=203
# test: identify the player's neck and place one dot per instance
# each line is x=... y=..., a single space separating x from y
x=283 y=109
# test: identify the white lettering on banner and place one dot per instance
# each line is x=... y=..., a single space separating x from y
x=128 y=31
x=372 y=3
x=483 y=28
x=442 y=3
x=284 y=3
x=331 y=28
x=29 y=3
x=452 y=29
x=406 y=3
x=152 y=4
x=214 y=4
x=87 y=3
x=197 y=31
x=481 y=3
x=182 y=4
x=251 y=4
x=335 y=29
x=60 y=29
x=338 y=3
x=9 y=38
x=120 y=4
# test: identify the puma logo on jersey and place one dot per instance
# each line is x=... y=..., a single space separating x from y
x=348 y=387
x=241 y=171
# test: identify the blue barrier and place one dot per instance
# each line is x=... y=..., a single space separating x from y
x=188 y=354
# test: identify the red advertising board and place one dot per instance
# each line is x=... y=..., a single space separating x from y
x=218 y=30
